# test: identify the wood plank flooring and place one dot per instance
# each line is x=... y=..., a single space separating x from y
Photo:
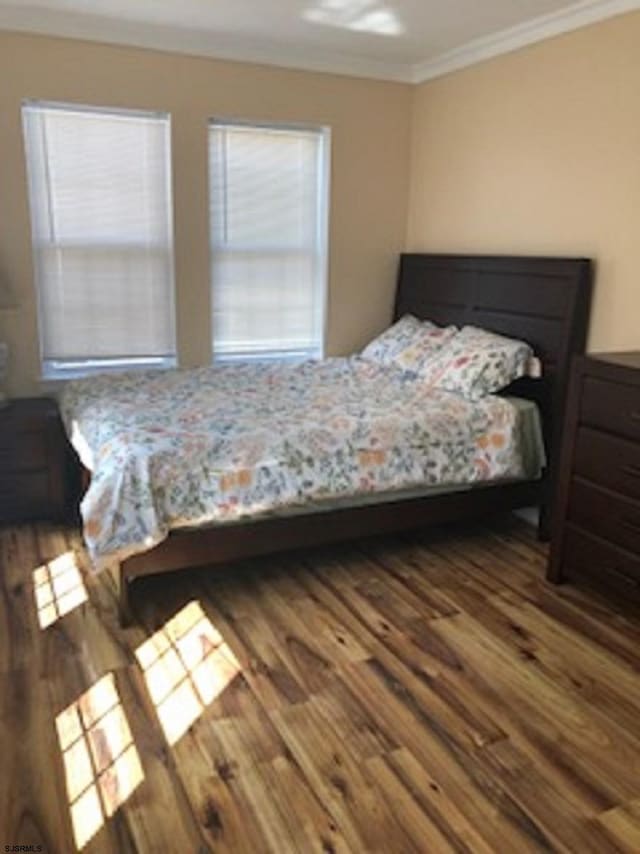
x=428 y=693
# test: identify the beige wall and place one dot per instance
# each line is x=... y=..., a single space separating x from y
x=533 y=152
x=539 y=152
x=370 y=124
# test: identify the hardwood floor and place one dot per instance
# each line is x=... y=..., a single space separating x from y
x=427 y=693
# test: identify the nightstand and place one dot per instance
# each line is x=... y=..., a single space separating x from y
x=34 y=462
x=596 y=529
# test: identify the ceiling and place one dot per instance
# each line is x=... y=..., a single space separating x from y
x=408 y=40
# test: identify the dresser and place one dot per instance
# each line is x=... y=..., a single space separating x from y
x=35 y=462
x=596 y=526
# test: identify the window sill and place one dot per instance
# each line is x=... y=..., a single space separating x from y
x=55 y=375
x=265 y=358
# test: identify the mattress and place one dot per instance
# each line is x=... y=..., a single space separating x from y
x=531 y=448
x=179 y=449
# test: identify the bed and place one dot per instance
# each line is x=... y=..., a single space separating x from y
x=201 y=467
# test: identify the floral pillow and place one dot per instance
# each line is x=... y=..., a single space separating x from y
x=409 y=343
x=475 y=363
x=393 y=340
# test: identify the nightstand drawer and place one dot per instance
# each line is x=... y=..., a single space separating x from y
x=611 y=406
x=38 y=470
x=608 y=461
x=23 y=452
x=24 y=495
x=587 y=557
x=609 y=516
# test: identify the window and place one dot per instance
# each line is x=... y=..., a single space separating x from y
x=100 y=193
x=268 y=221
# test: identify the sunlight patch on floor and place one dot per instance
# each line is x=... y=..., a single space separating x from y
x=58 y=589
x=101 y=763
x=186 y=666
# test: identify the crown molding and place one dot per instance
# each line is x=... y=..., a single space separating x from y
x=182 y=40
x=514 y=38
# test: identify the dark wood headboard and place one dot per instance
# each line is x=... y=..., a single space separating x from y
x=544 y=301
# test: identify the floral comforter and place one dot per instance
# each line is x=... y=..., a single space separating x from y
x=210 y=445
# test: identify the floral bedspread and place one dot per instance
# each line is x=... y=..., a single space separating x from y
x=187 y=447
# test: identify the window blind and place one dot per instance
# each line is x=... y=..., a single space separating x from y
x=101 y=212
x=268 y=221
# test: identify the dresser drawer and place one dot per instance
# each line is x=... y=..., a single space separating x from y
x=612 y=517
x=611 y=406
x=23 y=451
x=589 y=558
x=608 y=461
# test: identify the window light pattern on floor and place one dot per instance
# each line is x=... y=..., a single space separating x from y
x=186 y=666
x=58 y=588
x=101 y=763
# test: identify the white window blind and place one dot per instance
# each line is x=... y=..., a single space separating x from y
x=101 y=212
x=268 y=220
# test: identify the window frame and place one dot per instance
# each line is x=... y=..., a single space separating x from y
x=323 y=202
x=52 y=369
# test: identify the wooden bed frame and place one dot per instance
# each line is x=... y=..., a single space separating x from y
x=544 y=301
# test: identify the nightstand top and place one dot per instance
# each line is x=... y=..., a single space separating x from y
x=626 y=359
x=29 y=407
